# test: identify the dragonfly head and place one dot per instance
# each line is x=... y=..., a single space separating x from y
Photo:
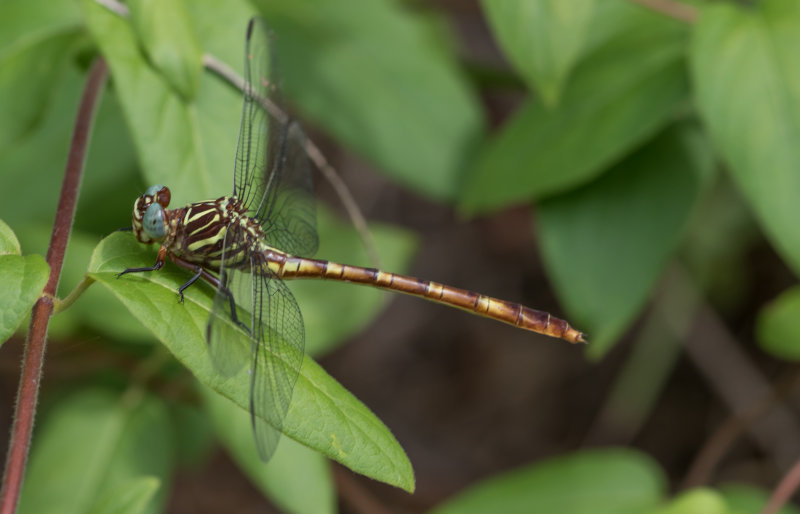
x=149 y=214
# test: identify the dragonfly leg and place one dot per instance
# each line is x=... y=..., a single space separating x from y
x=162 y=252
x=187 y=284
x=201 y=272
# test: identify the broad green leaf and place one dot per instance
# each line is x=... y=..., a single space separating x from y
x=370 y=74
x=96 y=307
x=9 y=245
x=696 y=501
x=187 y=145
x=36 y=36
x=605 y=245
x=93 y=442
x=756 y=124
x=333 y=310
x=167 y=35
x=746 y=499
x=778 y=327
x=32 y=177
x=619 y=97
x=323 y=415
x=543 y=39
x=611 y=481
x=131 y=497
x=296 y=479
x=22 y=279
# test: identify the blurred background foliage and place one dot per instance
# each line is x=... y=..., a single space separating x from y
x=633 y=170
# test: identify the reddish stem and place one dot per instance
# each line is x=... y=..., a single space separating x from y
x=28 y=393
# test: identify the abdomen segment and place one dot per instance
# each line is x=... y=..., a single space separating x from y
x=508 y=312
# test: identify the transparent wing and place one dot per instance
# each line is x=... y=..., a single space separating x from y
x=227 y=322
x=277 y=356
x=272 y=175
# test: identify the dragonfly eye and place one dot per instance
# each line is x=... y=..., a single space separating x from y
x=160 y=194
x=153 y=221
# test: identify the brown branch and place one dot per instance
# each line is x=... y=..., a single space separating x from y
x=734 y=427
x=784 y=491
x=314 y=153
x=677 y=10
x=28 y=393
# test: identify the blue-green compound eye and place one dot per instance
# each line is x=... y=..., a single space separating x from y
x=152 y=190
x=153 y=222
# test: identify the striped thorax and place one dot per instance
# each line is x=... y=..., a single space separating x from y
x=200 y=231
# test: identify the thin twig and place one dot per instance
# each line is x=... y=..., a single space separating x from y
x=83 y=285
x=719 y=357
x=726 y=435
x=677 y=10
x=28 y=393
x=784 y=491
x=314 y=153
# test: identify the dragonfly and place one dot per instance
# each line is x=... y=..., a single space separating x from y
x=247 y=244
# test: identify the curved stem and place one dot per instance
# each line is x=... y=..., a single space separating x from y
x=83 y=285
x=28 y=393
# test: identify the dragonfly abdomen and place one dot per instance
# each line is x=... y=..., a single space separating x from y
x=508 y=312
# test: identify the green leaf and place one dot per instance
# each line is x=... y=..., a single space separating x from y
x=131 y=497
x=334 y=311
x=543 y=39
x=696 y=501
x=370 y=74
x=746 y=499
x=619 y=97
x=167 y=35
x=9 y=245
x=188 y=145
x=93 y=442
x=323 y=415
x=778 y=327
x=612 y=481
x=32 y=32
x=605 y=245
x=96 y=307
x=756 y=124
x=22 y=280
x=296 y=479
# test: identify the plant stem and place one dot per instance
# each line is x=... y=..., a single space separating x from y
x=28 y=393
x=83 y=285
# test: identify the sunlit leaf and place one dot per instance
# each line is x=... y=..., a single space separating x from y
x=618 y=97
x=778 y=328
x=22 y=279
x=93 y=442
x=542 y=38
x=167 y=35
x=370 y=74
x=588 y=482
x=756 y=124
x=296 y=478
x=606 y=244
x=323 y=415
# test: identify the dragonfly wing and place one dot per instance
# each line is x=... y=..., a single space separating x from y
x=227 y=323
x=272 y=175
x=277 y=356
x=289 y=212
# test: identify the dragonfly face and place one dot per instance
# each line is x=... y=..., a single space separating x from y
x=150 y=216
